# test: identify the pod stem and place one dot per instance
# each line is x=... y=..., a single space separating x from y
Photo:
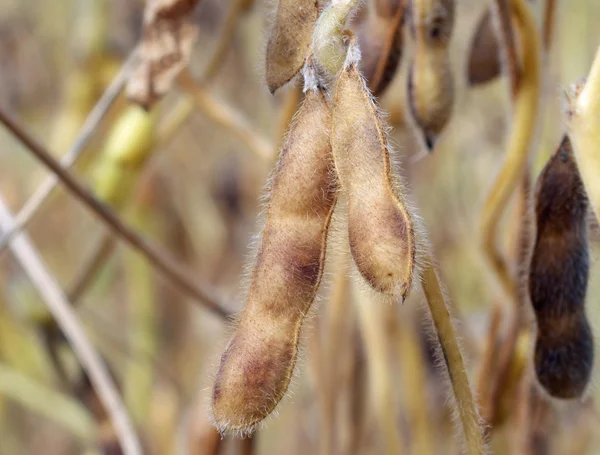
x=328 y=37
x=583 y=121
x=515 y=162
x=452 y=357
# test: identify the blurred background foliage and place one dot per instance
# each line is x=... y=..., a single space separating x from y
x=199 y=196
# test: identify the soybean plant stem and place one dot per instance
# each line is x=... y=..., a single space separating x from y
x=91 y=123
x=197 y=289
x=467 y=411
x=515 y=162
x=61 y=309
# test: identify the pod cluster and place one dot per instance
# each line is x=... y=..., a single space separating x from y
x=333 y=146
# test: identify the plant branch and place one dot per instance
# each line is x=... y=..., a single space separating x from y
x=515 y=162
x=453 y=360
x=32 y=206
x=199 y=290
x=61 y=309
x=226 y=116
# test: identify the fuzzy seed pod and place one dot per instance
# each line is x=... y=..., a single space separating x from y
x=430 y=81
x=564 y=350
x=290 y=40
x=380 y=226
x=380 y=39
x=258 y=362
x=484 y=60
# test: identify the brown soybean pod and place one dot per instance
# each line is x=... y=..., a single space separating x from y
x=564 y=351
x=430 y=80
x=290 y=40
x=258 y=363
x=380 y=227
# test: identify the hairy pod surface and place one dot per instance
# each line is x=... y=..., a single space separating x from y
x=484 y=59
x=430 y=80
x=380 y=226
x=380 y=39
x=290 y=40
x=257 y=365
x=558 y=277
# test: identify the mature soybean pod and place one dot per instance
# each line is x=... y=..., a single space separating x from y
x=290 y=40
x=564 y=351
x=257 y=365
x=380 y=226
x=430 y=80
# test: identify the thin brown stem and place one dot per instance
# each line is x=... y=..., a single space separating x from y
x=34 y=203
x=453 y=360
x=196 y=288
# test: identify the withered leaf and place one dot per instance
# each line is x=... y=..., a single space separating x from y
x=290 y=40
x=165 y=48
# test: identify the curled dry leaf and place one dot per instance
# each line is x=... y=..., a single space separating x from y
x=166 y=46
x=558 y=278
x=257 y=365
x=290 y=40
x=380 y=225
x=484 y=59
x=379 y=36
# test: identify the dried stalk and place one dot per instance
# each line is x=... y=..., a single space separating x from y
x=61 y=309
x=453 y=360
x=515 y=163
x=34 y=203
x=165 y=264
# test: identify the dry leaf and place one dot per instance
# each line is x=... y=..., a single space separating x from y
x=167 y=41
